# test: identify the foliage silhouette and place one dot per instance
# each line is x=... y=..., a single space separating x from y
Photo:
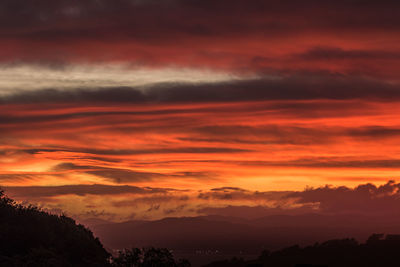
x=148 y=257
x=31 y=237
x=376 y=252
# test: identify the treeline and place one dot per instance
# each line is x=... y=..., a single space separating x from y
x=378 y=251
x=31 y=237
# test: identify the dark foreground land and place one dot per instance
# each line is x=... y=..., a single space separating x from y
x=377 y=251
x=31 y=237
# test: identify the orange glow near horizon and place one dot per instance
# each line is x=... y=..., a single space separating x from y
x=248 y=145
x=107 y=112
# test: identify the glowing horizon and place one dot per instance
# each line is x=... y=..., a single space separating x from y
x=251 y=97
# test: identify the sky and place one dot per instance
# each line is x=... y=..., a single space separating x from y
x=142 y=109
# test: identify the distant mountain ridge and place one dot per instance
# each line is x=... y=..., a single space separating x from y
x=240 y=234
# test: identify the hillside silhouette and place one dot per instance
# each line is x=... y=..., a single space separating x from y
x=31 y=237
x=377 y=251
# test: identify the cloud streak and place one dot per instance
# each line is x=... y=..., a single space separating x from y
x=152 y=203
x=80 y=190
x=297 y=87
x=16 y=78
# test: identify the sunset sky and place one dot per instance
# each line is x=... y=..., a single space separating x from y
x=143 y=109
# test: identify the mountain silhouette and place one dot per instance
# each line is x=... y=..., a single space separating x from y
x=232 y=235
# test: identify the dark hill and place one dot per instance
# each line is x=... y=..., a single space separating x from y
x=377 y=251
x=31 y=237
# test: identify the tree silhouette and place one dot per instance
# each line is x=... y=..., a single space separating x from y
x=31 y=237
x=148 y=257
x=376 y=252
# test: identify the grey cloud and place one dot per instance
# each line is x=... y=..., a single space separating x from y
x=117 y=175
x=335 y=53
x=13 y=177
x=375 y=132
x=80 y=190
x=120 y=175
x=328 y=163
x=295 y=87
x=365 y=198
x=120 y=152
x=124 y=19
